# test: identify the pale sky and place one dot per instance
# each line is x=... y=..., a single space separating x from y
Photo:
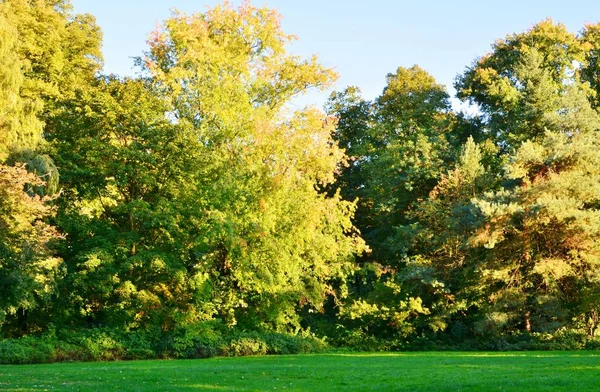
x=362 y=40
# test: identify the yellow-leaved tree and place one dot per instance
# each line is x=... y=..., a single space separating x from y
x=269 y=240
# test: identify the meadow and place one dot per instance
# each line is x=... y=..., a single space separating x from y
x=455 y=371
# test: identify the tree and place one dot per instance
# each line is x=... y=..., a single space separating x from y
x=590 y=41
x=58 y=50
x=192 y=194
x=28 y=266
x=126 y=207
x=412 y=101
x=56 y=53
x=536 y=226
x=46 y=53
x=518 y=86
x=543 y=235
x=19 y=124
x=398 y=147
x=400 y=150
x=355 y=119
x=442 y=265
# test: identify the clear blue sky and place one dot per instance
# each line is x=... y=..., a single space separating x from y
x=363 y=40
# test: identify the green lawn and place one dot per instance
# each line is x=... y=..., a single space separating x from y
x=531 y=371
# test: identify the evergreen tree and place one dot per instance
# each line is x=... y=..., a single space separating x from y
x=538 y=107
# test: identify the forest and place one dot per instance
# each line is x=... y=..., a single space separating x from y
x=191 y=211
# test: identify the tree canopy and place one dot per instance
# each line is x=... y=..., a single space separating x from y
x=193 y=195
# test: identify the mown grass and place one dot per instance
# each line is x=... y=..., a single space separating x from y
x=522 y=371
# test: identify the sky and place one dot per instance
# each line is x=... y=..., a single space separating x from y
x=362 y=40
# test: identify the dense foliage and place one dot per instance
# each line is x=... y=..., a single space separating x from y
x=191 y=209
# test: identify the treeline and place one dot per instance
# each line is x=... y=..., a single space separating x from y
x=189 y=211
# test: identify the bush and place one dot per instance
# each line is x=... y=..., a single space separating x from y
x=209 y=339
x=18 y=351
x=311 y=344
x=201 y=340
x=260 y=343
x=247 y=346
x=140 y=345
x=36 y=350
x=98 y=344
x=593 y=344
x=359 y=340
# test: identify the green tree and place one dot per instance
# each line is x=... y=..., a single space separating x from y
x=519 y=85
x=58 y=50
x=35 y=38
x=538 y=225
x=400 y=150
x=543 y=235
x=355 y=120
x=56 y=53
x=126 y=209
x=19 y=124
x=442 y=265
x=192 y=194
x=271 y=240
x=590 y=68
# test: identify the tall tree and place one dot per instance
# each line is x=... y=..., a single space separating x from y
x=543 y=235
x=126 y=207
x=398 y=147
x=538 y=108
x=57 y=52
x=46 y=53
x=400 y=151
x=271 y=239
x=442 y=266
x=194 y=194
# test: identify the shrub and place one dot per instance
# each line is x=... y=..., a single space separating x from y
x=98 y=344
x=29 y=350
x=243 y=346
x=593 y=344
x=140 y=345
x=200 y=340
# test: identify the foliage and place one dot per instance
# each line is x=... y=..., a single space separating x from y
x=127 y=253
x=267 y=237
x=28 y=267
x=200 y=340
x=19 y=125
x=189 y=212
x=537 y=229
x=399 y=149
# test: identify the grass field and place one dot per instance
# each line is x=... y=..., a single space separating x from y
x=531 y=371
